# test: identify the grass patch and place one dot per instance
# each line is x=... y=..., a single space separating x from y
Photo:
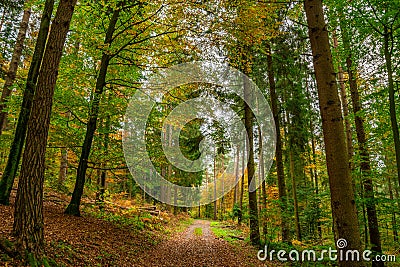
x=183 y=225
x=198 y=231
x=227 y=232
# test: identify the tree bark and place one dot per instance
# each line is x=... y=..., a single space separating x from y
x=394 y=224
x=103 y=175
x=15 y=153
x=253 y=210
x=345 y=107
x=62 y=174
x=215 y=185
x=342 y=198
x=263 y=186
x=392 y=102
x=235 y=190
x=74 y=205
x=28 y=217
x=240 y=215
x=279 y=154
x=295 y=200
x=12 y=70
x=365 y=165
x=316 y=182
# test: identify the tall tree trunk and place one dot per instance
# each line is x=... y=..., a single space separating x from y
x=388 y=51
x=240 y=215
x=344 y=211
x=294 y=192
x=74 y=205
x=12 y=70
x=28 y=217
x=365 y=166
x=316 y=182
x=279 y=154
x=253 y=211
x=62 y=174
x=215 y=185
x=394 y=224
x=345 y=107
x=263 y=186
x=235 y=190
x=20 y=132
x=103 y=175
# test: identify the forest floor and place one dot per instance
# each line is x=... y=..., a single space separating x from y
x=94 y=241
x=198 y=246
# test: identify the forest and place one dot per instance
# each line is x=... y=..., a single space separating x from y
x=199 y=133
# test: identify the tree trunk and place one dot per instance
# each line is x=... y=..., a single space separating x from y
x=279 y=154
x=345 y=107
x=28 y=217
x=215 y=185
x=316 y=182
x=394 y=224
x=365 y=166
x=240 y=215
x=74 y=205
x=392 y=102
x=253 y=211
x=103 y=176
x=294 y=192
x=12 y=70
x=20 y=132
x=342 y=198
x=235 y=190
x=263 y=186
x=62 y=174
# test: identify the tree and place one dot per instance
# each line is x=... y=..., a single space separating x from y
x=12 y=70
x=28 y=217
x=248 y=123
x=15 y=153
x=73 y=207
x=342 y=198
x=279 y=152
x=365 y=164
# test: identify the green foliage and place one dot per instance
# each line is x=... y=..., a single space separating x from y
x=227 y=232
x=198 y=231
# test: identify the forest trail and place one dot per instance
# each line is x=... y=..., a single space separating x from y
x=190 y=248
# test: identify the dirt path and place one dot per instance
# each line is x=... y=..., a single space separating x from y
x=189 y=249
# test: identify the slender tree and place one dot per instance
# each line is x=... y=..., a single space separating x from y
x=253 y=210
x=278 y=153
x=15 y=153
x=74 y=205
x=12 y=70
x=365 y=164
